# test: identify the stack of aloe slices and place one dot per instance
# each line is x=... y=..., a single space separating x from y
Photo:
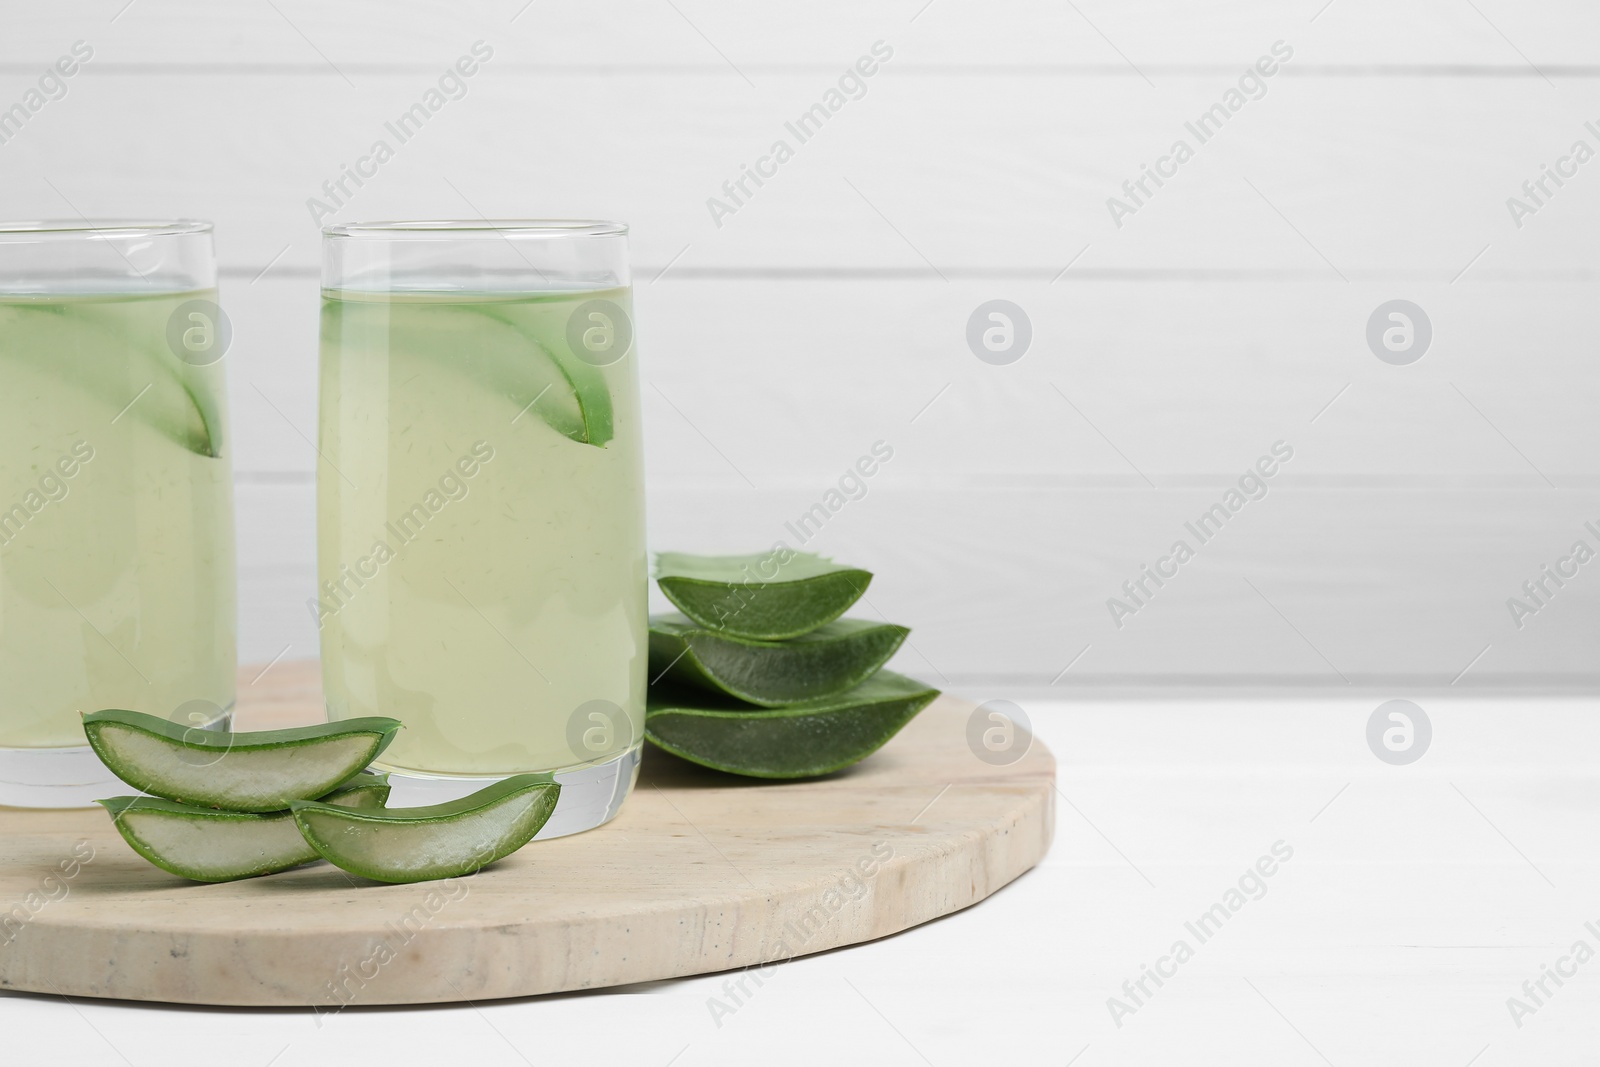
x=221 y=806
x=761 y=677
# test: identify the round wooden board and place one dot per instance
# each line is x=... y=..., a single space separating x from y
x=700 y=872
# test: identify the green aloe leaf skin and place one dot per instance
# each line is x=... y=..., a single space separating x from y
x=799 y=741
x=252 y=771
x=438 y=841
x=830 y=659
x=765 y=596
x=207 y=845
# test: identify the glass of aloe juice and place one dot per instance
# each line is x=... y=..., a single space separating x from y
x=481 y=571
x=116 y=501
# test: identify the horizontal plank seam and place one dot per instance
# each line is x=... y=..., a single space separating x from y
x=1079 y=276
x=1001 y=70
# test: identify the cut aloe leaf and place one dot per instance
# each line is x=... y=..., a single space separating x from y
x=798 y=741
x=582 y=407
x=438 y=841
x=89 y=356
x=758 y=596
x=255 y=771
x=207 y=845
x=830 y=659
x=569 y=395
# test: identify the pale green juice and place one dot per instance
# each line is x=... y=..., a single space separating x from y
x=116 y=519
x=481 y=557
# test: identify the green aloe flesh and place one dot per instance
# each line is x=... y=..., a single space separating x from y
x=830 y=659
x=438 y=841
x=487 y=349
x=251 y=772
x=798 y=741
x=765 y=596
x=207 y=845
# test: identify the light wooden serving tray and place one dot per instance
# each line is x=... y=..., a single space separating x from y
x=700 y=872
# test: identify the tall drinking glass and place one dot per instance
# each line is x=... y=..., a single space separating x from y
x=116 y=502
x=480 y=546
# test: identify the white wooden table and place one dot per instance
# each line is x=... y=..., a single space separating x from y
x=1418 y=899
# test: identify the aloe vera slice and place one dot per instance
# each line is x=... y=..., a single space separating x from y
x=91 y=357
x=207 y=845
x=587 y=416
x=255 y=771
x=830 y=659
x=757 y=596
x=438 y=841
x=798 y=741
x=569 y=395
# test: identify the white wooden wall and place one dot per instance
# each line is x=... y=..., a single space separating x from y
x=829 y=312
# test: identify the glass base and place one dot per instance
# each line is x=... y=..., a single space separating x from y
x=55 y=778
x=590 y=796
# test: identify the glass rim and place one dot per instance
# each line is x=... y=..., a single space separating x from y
x=460 y=229
x=109 y=227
